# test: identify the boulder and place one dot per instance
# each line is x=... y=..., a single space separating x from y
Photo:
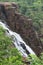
x=21 y=24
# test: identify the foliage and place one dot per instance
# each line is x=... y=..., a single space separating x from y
x=41 y=57
x=35 y=60
x=33 y=9
x=8 y=54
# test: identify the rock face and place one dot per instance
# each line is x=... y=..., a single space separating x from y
x=20 y=24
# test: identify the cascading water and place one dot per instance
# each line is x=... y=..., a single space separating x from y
x=18 y=41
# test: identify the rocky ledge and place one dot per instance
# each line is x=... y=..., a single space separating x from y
x=20 y=24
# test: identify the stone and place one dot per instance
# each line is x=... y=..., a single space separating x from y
x=21 y=24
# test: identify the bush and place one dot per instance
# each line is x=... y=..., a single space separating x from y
x=8 y=55
x=35 y=60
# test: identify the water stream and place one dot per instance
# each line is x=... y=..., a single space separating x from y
x=22 y=47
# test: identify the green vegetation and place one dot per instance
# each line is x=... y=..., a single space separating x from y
x=35 y=60
x=8 y=54
x=33 y=9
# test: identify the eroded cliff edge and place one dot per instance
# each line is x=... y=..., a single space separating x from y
x=20 y=24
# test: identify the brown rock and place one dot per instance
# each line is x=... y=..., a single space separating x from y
x=20 y=24
x=26 y=61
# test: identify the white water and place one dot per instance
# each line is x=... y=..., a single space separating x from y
x=17 y=40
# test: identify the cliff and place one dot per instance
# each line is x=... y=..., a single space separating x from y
x=20 y=24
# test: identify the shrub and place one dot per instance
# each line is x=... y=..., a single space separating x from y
x=8 y=55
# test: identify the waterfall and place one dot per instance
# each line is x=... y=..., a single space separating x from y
x=18 y=41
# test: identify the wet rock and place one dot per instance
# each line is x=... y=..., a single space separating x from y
x=26 y=61
x=20 y=24
x=24 y=47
